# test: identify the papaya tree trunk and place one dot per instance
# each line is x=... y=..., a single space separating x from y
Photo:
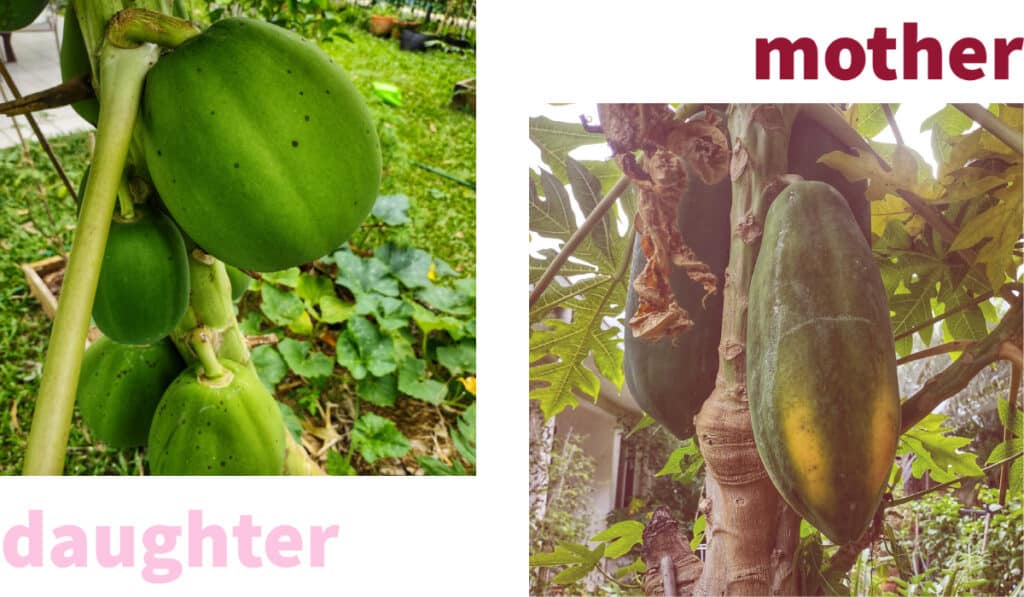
x=752 y=535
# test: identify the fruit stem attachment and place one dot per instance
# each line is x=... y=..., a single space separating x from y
x=126 y=207
x=202 y=344
x=123 y=73
x=134 y=26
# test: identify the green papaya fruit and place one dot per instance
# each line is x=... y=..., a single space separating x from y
x=670 y=378
x=821 y=362
x=203 y=427
x=15 y=14
x=143 y=287
x=259 y=145
x=120 y=386
x=808 y=141
x=74 y=62
x=239 y=281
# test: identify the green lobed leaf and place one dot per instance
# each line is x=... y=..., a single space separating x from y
x=339 y=465
x=304 y=361
x=464 y=437
x=409 y=265
x=335 y=310
x=364 y=276
x=380 y=391
x=938 y=453
x=291 y=422
x=458 y=358
x=347 y=355
x=392 y=209
x=448 y=300
x=375 y=349
x=621 y=537
x=288 y=277
x=412 y=382
x=556 y=139
x=434 y=467
x=376 y=437
x=270 y=367
x=279 y=306
x=313 y=288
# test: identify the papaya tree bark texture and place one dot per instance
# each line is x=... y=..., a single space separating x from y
x=752 y=534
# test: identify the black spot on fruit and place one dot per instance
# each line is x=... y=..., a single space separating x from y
x=307 y=117
x=295 y=143
x=236 y=165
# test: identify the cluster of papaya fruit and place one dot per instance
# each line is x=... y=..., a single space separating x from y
x=258 y=154
x=821 y=373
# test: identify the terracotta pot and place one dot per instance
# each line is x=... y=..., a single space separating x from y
x=381 y=25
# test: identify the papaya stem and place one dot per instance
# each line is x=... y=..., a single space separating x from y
x=202 y=344
x=126 y=207
x=124 y=72
x=134 y=26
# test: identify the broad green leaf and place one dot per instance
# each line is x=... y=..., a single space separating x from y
x=288 y=277
x=1003 y=408
x=428 y=321
x=644 y=422
x=302 y=325
x=698 y=532
x=571 y=267
x=392 y=209
x=911 y=309
x=375 y=349
x=250 y=324
x=552 y=216
x=869 y=119
x=938 y=453
x=1000 y=228
x=433 y=466
x=279 y=306
x=412 y=382
x=673 y=466
x=446 y=299
x=464 y=436
x=586 y=189
x=335 y=310
x=411 y=266
x=968 y=324
x=303 y=360
x=270 y=367
x=381 y=391
x=621 y=537
x=556 y=139
x=347 y=355
x=637 y=567
x=291 y=422
x=339 y=465
x=458 y=358
x=364 y=276
x=376 y=437
x=312 y=288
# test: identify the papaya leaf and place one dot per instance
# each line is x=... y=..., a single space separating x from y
x=1002 y=450
x=1003 y=408
x=376 y=437
x=586 y=189
x=910 y=309
x=638 y=567
x=644 y=422
x=304 y=361
x=1001 y=226
x=556 y=139
x=279 y=306
x=558 y=293
x=621 y=537
x=869 y=119
x=938 y=453
x=968 y=324
x=698 y=532
x=572 y=267
x=392 y=209
x=579 y=572
x=270 y=367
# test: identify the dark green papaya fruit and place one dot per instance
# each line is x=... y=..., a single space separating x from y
x=808 y=141
x=143 y=286
x=120 y=386
x=670 y=378
x=239 y=281
x=821 y=364
x=74 y=62
x=15 y=14
x=203 y=427
x=259 y=145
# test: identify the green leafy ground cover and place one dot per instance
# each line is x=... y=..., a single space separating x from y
x=376 y=359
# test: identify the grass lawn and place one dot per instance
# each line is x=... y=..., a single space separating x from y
x=37 y=219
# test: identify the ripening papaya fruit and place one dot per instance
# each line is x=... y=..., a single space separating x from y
x=259 y=145
x=229 y=425
x=821 y=364
x=120 y=386
x=15 y=14
x=74 y=62
x=143 y=287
